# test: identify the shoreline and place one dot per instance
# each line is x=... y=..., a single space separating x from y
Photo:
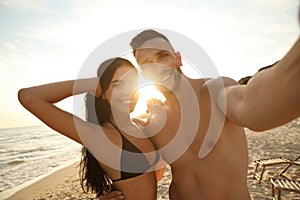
x=64 y=183
x=12 y=193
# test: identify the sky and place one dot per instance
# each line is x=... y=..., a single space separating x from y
x=44 y=41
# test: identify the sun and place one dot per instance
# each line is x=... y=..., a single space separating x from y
x=146 y=92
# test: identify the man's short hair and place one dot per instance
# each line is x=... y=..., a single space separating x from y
x=144 y=36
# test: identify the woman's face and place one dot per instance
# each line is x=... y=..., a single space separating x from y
x=120 y=92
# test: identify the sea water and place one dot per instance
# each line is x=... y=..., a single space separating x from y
x=28 y=152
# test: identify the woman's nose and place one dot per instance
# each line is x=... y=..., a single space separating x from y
x=129 y=88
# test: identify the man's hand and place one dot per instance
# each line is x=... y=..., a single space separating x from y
x=157 y=117
x=112 y=195
x=151 y=102
x=152 y=107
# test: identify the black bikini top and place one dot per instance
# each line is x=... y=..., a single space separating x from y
x=132 y=159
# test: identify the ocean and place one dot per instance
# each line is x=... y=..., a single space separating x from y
x=29 y=152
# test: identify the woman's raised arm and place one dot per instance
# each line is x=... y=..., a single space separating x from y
x=40 y=100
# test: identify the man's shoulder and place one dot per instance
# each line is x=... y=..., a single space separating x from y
x=214 y=83
x=212 y=86
x=229 y=81
x=199 y=82
x=221 y=79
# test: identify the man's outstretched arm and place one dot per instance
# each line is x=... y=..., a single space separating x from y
x=271 y=98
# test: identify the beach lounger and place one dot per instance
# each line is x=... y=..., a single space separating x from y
x=279 y=185
x=265 y=163
x=292 y=162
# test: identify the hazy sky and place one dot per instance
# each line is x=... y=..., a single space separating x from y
x=48 y=40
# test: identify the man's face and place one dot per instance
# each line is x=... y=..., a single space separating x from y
x=159 y=63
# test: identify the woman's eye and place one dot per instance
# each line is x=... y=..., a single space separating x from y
x=115 y=85
x=118 y=85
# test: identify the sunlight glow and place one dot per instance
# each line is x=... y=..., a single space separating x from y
x=146 y=92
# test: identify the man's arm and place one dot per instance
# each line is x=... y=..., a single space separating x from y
x=270 y=99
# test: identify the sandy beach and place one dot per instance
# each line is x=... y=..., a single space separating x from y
x=282 y=141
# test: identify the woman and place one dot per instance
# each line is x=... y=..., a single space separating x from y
x=108 y=101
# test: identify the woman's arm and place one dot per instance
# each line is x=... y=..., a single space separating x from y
x=40 y=100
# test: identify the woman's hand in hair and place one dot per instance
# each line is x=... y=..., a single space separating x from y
x=97 y=89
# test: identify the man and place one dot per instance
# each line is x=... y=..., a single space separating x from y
x=214 y=163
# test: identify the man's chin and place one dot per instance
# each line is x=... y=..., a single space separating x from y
x=131 y=109
x=165 y=90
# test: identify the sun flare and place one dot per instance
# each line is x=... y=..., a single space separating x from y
x=146 y=92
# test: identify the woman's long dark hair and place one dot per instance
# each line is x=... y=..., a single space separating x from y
x=98 y=111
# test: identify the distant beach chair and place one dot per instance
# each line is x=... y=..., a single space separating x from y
x=279 y=185
x=292 y=162
x=266 y=163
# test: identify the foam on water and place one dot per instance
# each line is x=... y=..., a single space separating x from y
x=29 y=152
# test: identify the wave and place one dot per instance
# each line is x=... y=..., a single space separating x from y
x=29 y=152
x=24 y=151
x=16 y=162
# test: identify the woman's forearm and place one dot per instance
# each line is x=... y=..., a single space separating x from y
x=39 y=100
x=55 y=92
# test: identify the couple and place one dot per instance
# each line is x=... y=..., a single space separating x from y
x=211 y=163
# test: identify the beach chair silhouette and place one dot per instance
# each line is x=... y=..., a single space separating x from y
x=292 y=162
x=266 y=163
x=279 y=185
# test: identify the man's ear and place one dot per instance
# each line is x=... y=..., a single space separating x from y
x=178 y=58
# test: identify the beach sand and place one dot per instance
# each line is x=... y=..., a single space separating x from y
x=62 y=184
x=283 y=141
